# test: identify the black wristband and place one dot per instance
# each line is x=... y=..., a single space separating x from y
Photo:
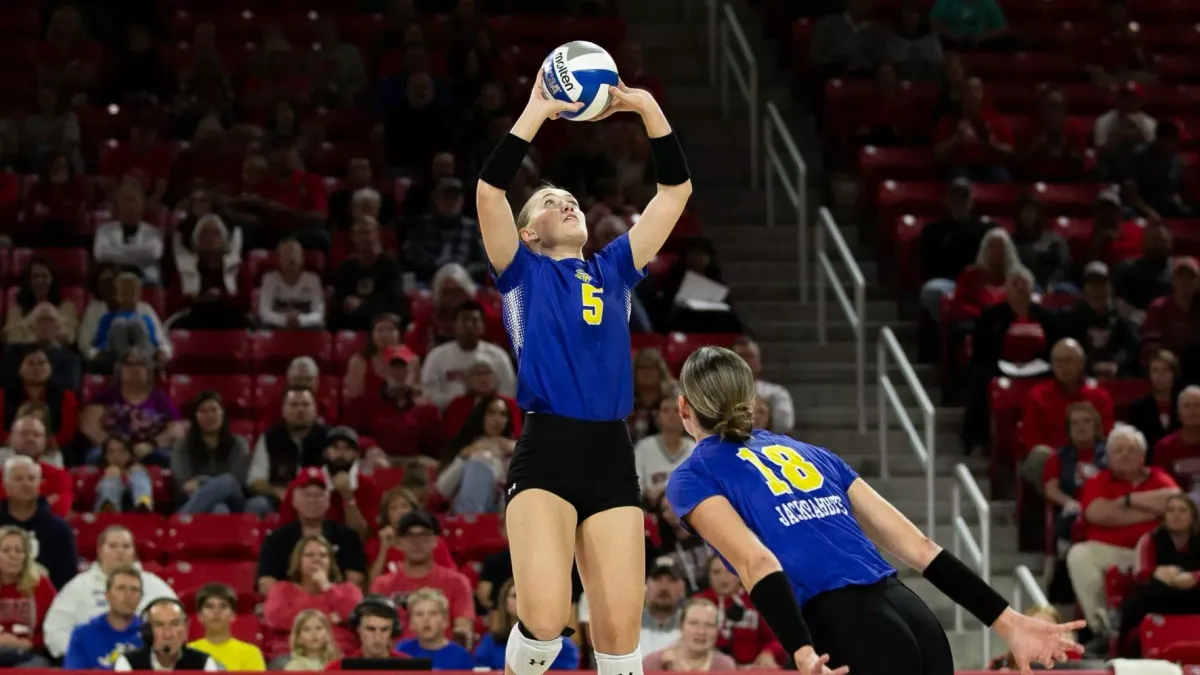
x=503 y=164
x=776 y=602
x=670 y=166
x=950 y=576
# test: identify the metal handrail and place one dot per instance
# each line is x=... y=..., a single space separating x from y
x=1027 y=586
x=776 y=132
x=979 y=551
x=746 y=81
x=855 y=311
x=925 y=450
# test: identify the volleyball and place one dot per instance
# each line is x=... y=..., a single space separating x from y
x=579 y=71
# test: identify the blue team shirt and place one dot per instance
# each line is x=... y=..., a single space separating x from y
x=96 y=645
x=793 y=496
x=569 y=325
x=451 y=657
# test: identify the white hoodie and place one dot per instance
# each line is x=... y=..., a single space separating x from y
x=83 y=599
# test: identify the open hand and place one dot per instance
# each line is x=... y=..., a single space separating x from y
x=545 y=106
x=808 y=662
x=624 y=99
x=1032 y=640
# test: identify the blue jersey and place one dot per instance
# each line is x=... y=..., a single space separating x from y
x=569 y=325
x=793 y=496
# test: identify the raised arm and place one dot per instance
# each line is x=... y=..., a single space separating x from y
x=500 y=238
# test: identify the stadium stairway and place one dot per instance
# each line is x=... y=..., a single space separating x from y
x=760 y=265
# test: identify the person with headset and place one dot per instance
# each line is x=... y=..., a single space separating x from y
x=378 y=624
x=164 y=637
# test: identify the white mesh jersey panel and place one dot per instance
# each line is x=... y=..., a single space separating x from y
x=513 y=310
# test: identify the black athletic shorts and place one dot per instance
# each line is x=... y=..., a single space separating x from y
x=589 y=464
x=881 y=629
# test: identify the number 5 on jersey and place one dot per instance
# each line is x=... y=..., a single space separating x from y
x=800 y=474
x=593 y=305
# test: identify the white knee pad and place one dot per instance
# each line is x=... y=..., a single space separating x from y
x=627 y=664
x=530 y=657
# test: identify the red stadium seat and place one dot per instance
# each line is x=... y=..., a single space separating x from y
x=186 y=578
x=1118 y=583
x=1124 y=392
x=156 y=297
x=147 y=532
x=1174 y=638
x=1005 y=398
x=345 y=345
x=643 y=340
x=85 y=480
x=204 y=536
x=388 y=477
x=680 y=345
x=473 y=538
x=226 y=351
x=70 y=265
x=235 y=390
x=275 y=350
x=879 y=164
x=163 y=483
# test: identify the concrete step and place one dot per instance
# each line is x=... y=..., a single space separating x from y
x=846 y=417
x=837 y=330
x=753 y=311
x=734 y=271
x=756 y=237
x=779 y=355
x=796 y=374
x=839 y=394
x=788 y=290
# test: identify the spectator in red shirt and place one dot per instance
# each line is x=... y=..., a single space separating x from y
x=1167 y=572
x=1120 y=504
x=886 y=119
x=28 y=438
x=982 y=284
x=396 y=416
x=55 y=206
x=376 y=622
x=1054 y=147
x=1044 y=414
x=25 y=595
x=292 y=201
x=383 y=551
x=314 y=581
x=976 y=142
x=481 y=383
x=353 y=497
x=1173 y=321
x=1072 y=465
x=368 y=369
x=417 y=533
x=741 y=631
x=1179 y=453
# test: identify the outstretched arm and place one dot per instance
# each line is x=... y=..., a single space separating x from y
x=500 y=238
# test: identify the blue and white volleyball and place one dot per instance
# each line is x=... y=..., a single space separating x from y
x=579 y=71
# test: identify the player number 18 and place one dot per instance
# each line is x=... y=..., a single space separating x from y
x=798 y=473
x=593 y=305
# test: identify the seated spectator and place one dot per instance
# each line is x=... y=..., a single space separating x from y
x=1167 y=572
x=1119 y=505
x=84 y=596
x=473 y=480
x=1071 y=465
x=1054 y=147
x=1108 y=341
x=210 y=464
x=206 y=162
x=336 y=69
x=419 y=199
x=109 y=297
x=28 y=439
x=656 y=456
x=848 y=44
x=951 y=86
x=379 y=621
x=969 y=24
x=1044 y=412
x=949 y=245
x=1155 y=415
x=314 y=581
x=974 y=142
x=1178 y=453
x=1041 y=250
x=887 y=119
x=443 y=375
x=311 y=642
x=1016 y=331
x=291 y=201
x=291 y=297
x=417 y=533
x=304 y=373
x=489 y=653
x=27 y=593
x=1117 y=132
x=429 y=616
x=165 y=630
x=682 y=551
x=1141 y=280
x=1157 y=169
x=126 y=485
x=382 y=550
x=673 y=313
x=982 y=284
x=143 y=160
x=451 y=287
x=125 y=328
x=481 y=383
x=367 y=370
x=662 y=616
x=128 y=240
x=66 y=368
x=1120 y=55
x=696 y=649
x=396 y=416
x=55 y=205
x=208 y=279
x=1173 y=321
x=23 y=507
x=310 y=497
x=914 y=47
x=444 y=235
x=297 y=441
x=741 y=631
x=353 y=498
x=102 y=640
x=36 y=385
x=762 y=413
x=51 y=128
x=39 y=285
x=368 y=282
x=134 y=409
x=652 y=380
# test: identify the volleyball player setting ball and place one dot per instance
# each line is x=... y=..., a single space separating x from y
x=796 y=523
x=572 y=489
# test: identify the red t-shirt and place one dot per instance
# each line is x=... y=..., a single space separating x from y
x=1044 y=413
x=68 y=417
x=974 y=290
x=1107 y=486
x=57 y=488
x=989 y=123
x=63 y=202
x=155 y=162
x=451 y=583
x=1169 y=324
x=22 y=615
x=395 y=557
x=1179 y=459
x=400 y=431
x=1024 y=341
x=1085 y=467
x=455 y=417
x=1127 y=245
x=1046 y=165
x=299 y=191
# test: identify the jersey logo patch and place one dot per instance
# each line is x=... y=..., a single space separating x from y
x=583 y=276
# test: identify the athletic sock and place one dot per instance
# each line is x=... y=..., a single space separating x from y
x=628 y=664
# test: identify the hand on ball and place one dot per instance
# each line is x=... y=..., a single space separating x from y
x=545 y=106
x=624 y=99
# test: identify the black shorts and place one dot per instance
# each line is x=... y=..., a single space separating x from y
x=589 y=464
x=881 y=629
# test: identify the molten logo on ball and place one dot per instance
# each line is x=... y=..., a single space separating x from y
x=564 y=73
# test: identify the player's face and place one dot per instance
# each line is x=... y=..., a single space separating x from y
x=427 y=620
x=557 y=220
x=723 y=582
x=375 y=633
x=216 y=615
x=699 y=628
